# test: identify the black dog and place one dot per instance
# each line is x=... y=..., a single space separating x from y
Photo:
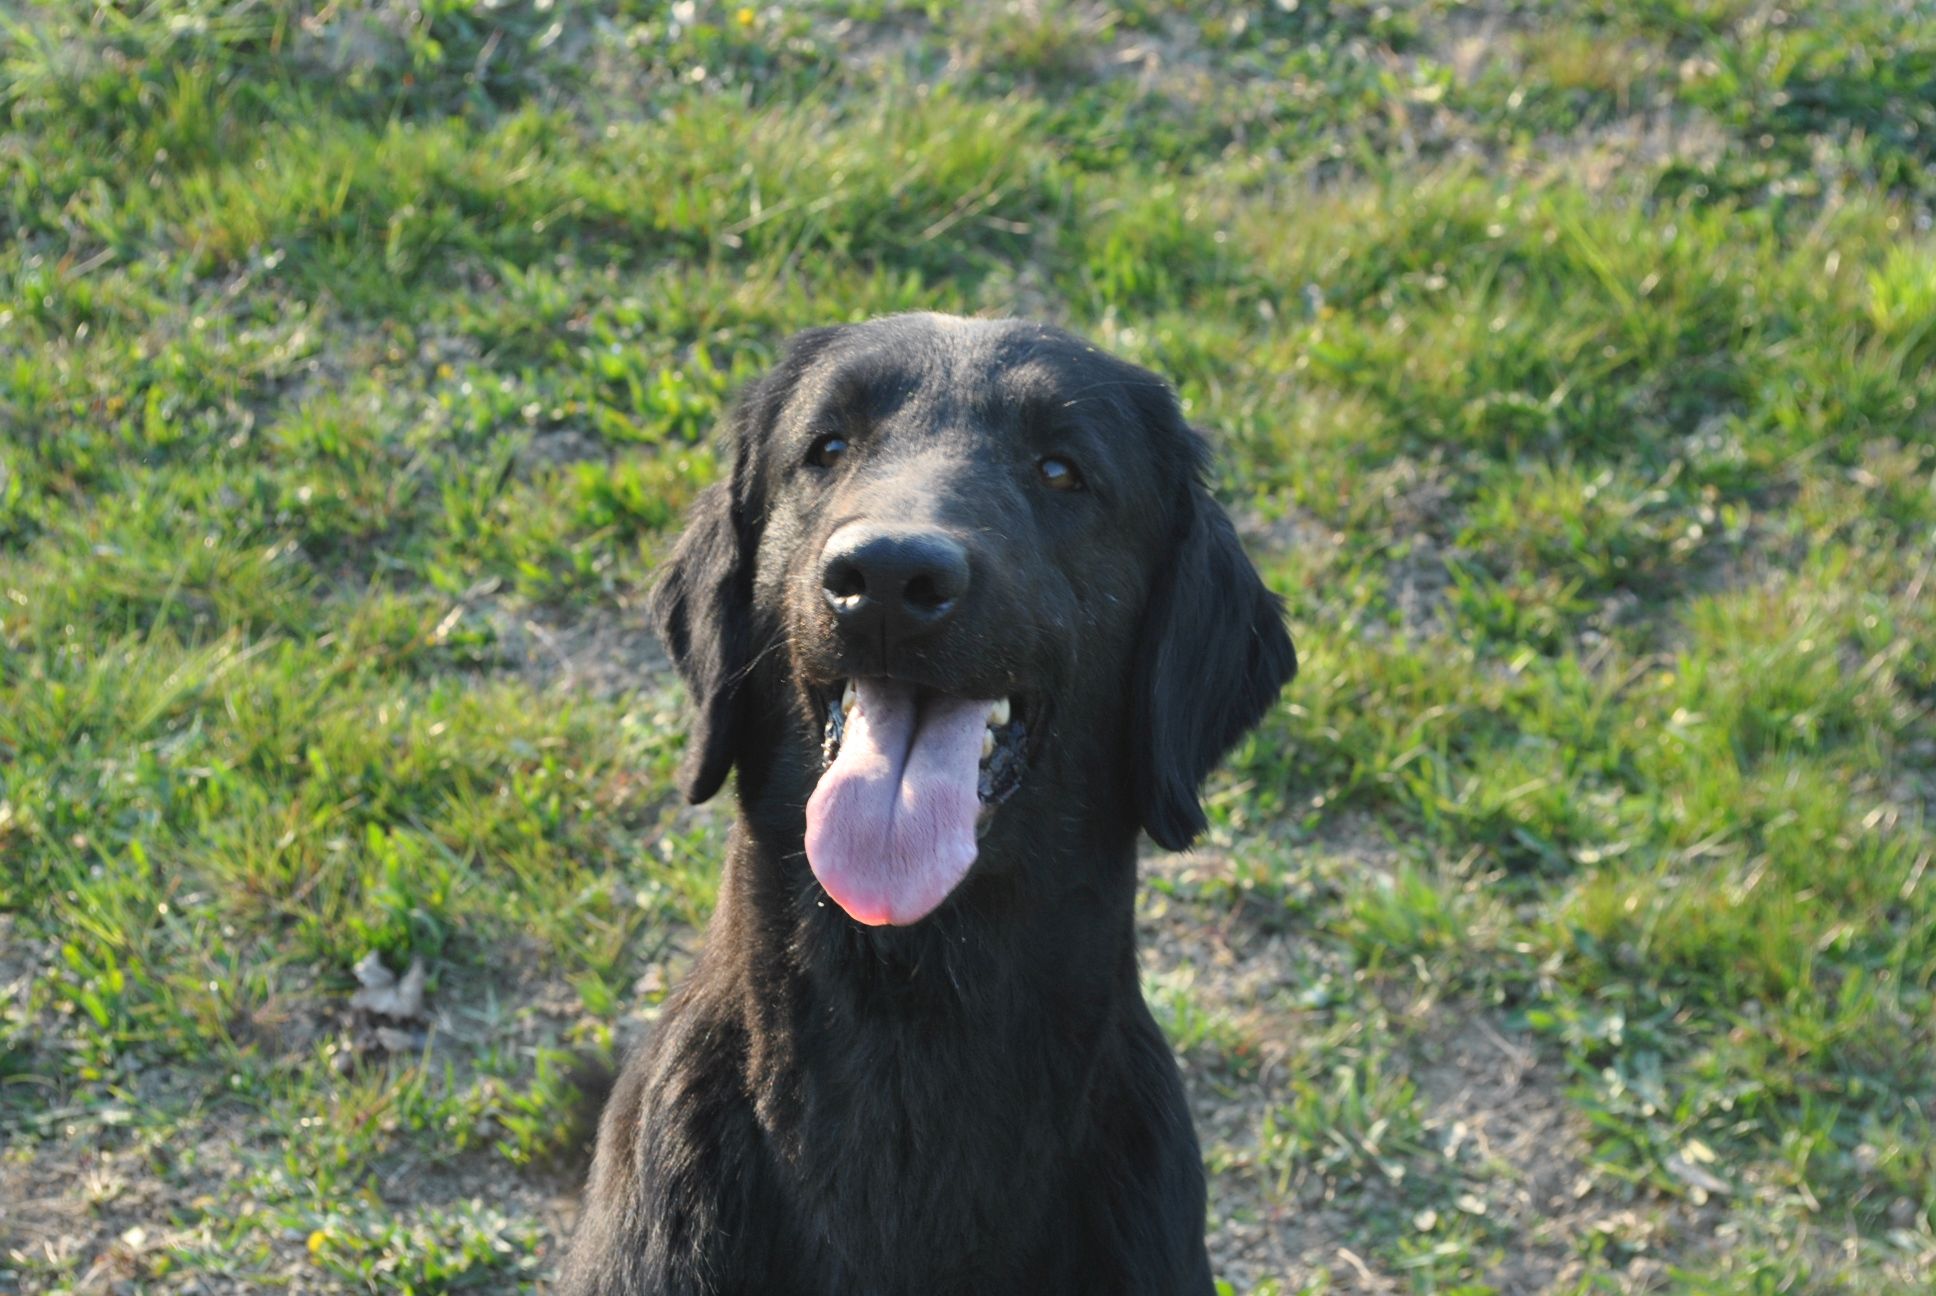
x=965 y=619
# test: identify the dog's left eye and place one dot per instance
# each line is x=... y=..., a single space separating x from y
x=1059 y=474
x=826 y=452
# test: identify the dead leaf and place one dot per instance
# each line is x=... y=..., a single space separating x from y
x=1704 y=1183
x=384 y=995
x=392 y=1040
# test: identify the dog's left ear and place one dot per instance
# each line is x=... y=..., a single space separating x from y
x=1214 y=655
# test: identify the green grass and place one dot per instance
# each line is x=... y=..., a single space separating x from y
x=1572 y=366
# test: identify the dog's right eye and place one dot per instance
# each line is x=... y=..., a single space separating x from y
x=826 y=451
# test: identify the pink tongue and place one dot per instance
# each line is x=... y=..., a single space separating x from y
x=891 y=826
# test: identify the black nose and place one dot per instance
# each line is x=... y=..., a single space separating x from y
x=890 y=584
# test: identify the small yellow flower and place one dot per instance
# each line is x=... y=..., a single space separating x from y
x=746 y=17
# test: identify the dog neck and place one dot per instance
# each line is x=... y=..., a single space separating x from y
x=935 y=1027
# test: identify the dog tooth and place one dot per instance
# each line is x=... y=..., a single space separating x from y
x=998 y=713
x=847 y=699
x=987 y=743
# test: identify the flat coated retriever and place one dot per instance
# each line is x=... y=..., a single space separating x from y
x=965 y=619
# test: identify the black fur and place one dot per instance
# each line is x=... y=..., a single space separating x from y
x=979 y=1102
x=1213 y=643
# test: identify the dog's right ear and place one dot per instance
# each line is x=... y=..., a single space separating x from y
x=701 y=606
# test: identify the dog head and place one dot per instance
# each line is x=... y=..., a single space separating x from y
x=977 y=563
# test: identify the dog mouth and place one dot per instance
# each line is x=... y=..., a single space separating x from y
x=1004 y=746
x=910 y=778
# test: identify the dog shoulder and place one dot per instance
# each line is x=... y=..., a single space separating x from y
x=678 y=1170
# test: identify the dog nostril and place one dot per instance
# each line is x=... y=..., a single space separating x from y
x=887 y=583
x=923 y=594
x=845 y=581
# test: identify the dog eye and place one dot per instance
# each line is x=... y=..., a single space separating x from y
x=826 y=452
x=1058 y=473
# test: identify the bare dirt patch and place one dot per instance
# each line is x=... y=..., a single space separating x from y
x=1202 y=934
x=607 y=654
x=1294 y=530
x=1497 y=1103
x=1498 y=1127
x=89 y=1207
x=1494 y=1102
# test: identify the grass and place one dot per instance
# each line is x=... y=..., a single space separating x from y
x=1571 y=368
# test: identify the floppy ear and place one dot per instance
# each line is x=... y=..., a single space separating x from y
x=702 y=602
x=1214 y=655
x=701 y=607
